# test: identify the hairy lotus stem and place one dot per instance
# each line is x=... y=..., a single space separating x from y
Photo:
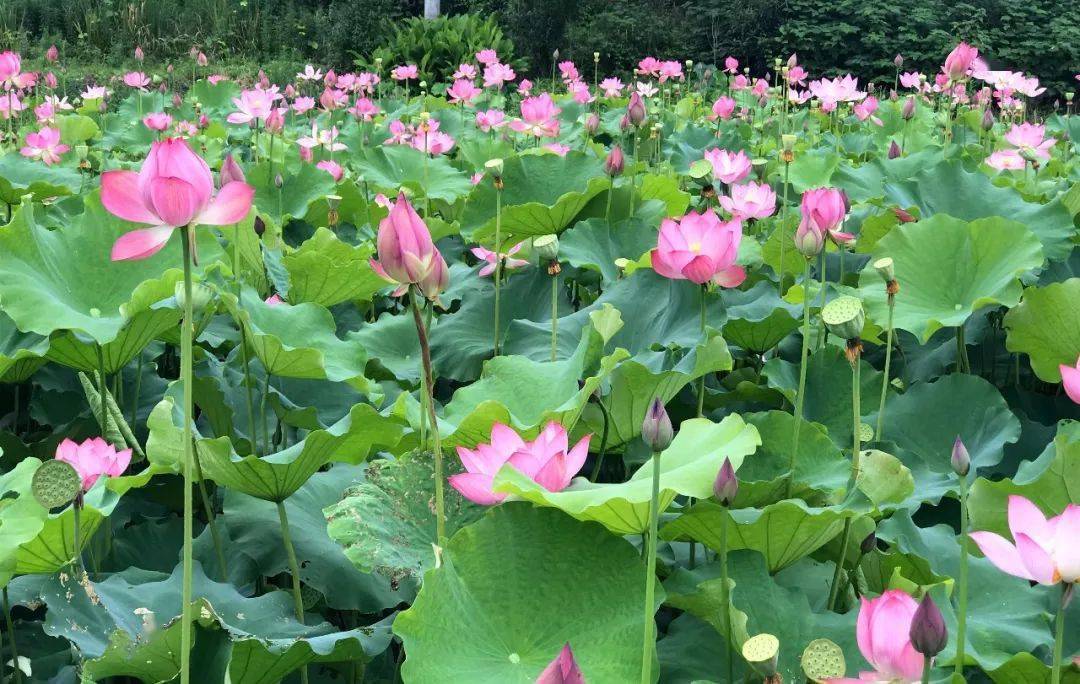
x=11 y=638
x=436 y=440
x=1059 y=632
x=725 y=598
x=821 y=306
x=186 y=332
x=783 y=228
x=962 y=579
x=249 y=389
x=498 y=255
x=610 y=194
x=554 y=269
x=854 y=352
x=294 y=569
x=891 y=288
x=76 y=532
x=603 y=440
x=926 y=670
x=963 y=364
x=103 y=389
x=701 y=382
x=650 y=574
x=800 y=398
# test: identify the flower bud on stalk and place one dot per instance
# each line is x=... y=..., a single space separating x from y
x=960 y=459
x=908 y=110
x=656 y=430
x=988 y=119
x=894 y=150
x=613 y=165
x=726 y=485
x=929 y=636
x=592 y=124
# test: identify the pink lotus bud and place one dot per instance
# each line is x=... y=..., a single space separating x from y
x=726 y=485
x=908 y=110
x=290 y=91
x=987 y=119
x=203 y=121
x=894 y=150
x=52 y=54
x=139 y=53
x=563 y=670
x=275 y=121
x=406 y=252
x=169 y=69
x=624 y=122
x=201 y=60
x=635 y=110
x=177 y=100
x=592 y=124
x=656 y=430
x=613 y=165
x=898 y=61
x=903 y=215
x=231 y=171
x=50 y=80
x=960 y=61
x=929 y=636
x=960 y=459
x=305 y=154
x=808 y=240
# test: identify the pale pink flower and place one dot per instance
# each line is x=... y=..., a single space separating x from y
x=750 y=201
x=94 y=93
x=405 y=72
x=490 y=120
x=487 y=56
x=671 y=70
x=463 y=91
x=1030 y=141
x=44 y=145
x=407 y=255
x=728 y=167
x=332 y=168
x=10 y=105
x=332 y=99
x=911 y=79
x=309 y=73
x=646 y=89
x=496 y=74
x=833 y=91
x=484 y=254
x=466 y=71
x=883 y=633
x=557 y=148
x=580 y=92
x=157 y=121
x=539 y=117
x=136 y=79
x=797 y=76
x=364 y=109
x=303 y=105
x=524 y=87
x=253 y=106
x=326 y=138
x=569 y=71
x=723 y=108
x=1045 y=551
x=92 y=459
x=865 y=110
x=612 y=87
x=699 y=248
x=1070 y=380
x=960 y=61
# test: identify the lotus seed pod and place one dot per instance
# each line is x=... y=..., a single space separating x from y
x=885 y=269
x=844 y=317
x=866 y=433
x=788 y=141
x=823 y=660
x=761 y=652
x=547 y=247
x=55 y=483
x=495 y=166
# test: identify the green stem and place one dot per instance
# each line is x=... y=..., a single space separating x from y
x=724 y=598
x=783 y=227
x=294 y=569
x=701 y=382
x=879 y=434
x=845 y=538
x=11 y=637
x=76 y=531
x=1059 y=634
x=926 y=670
x=610 y=194
x=498 y=260
x=186 y=332
x=649 y=641
x=963 y=365
x=103 y=389
x=425 y=356
x=821 y=306
x=138 y=389
x=834 y=590
x=248 y=386
x=962 y=580
x=267 y=446
x=603 y=441
x=800 y=398
x=554 y=316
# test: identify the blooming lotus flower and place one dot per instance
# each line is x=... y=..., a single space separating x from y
x=509 y=264
x=1030 y=141
x=539 y=117
x=309 y=73
x=496 y=74
x=1006 y=160
x=214 y=79
x=581 y=93
x=407 y=255
x=865 y=110
x=45 y=114
x=751 y=200
x=332 y=99
x=557 y=148
x=405 y=72
x=569 y=71
x=650 y=66
x=366 y=82
x=883 y=633
x=489 y=120
x=612 y=87
x=960 y=61
x=646 y=89
x=92 y=459
x=428 y=138
x=796 y=75
x=44 y=145
x=364 y=109
x=157 y=121
x=332 y=168
x=325 y=138
x=832 y=91
x=10 y=69
x=11 y=105
x=1070 y=379
x=563 y=670
x=728 y=167
x=466 y=71
x=301 y=105
x=723 y=108
x=699 y=248
x=487 y=57
x=137 y=80
x=545 y=460
x=912 y=79
x=463 y=91
x=740 y=82
x=731 y=65
x=823 y=210
x=524 y=87
x=174 y=188
x=1045 y=551
x=94 y=93
x=672 y=70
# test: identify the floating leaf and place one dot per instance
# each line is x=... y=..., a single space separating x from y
x=1046 y=327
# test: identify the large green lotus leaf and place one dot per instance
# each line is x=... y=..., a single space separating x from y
x=300 y=188
x=526 y=394
x=1046 y=327
x=1005 y=614
x=759 y=604
x=277 y=476
x=64 y=280
x=867 y=181
x=513 y=583
x=813 y=169
x=164 y=445
x=299 y=341
x=385 y=523
x=947 y=269
x=947 y=188
x=34 y=540
x=128 y=625
x=821 y=468
x=687 y=468
x=1052 y=482
x=542 y=194
x=326 y=271
x=757 y=319
x=828 y=390
x=391 y=167
x=651 y=375
x=20 y=176
x=254 y=528
x=783 y=532
x=595 y=245
x=925 y=420
x=690 y=652
x=17 y=346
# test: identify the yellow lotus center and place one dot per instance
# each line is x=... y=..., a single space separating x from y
x=695 y=246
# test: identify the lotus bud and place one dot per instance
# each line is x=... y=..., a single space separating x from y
x=635 y=110
x=656 y=430
x=555 y=53
x=960 y=460
x=689 y=64
x=988 y=119
x=894 y=150
x=260 y=226
x=809 y=241
x=893 y=96
x=908 y=110
x=139 y=55
x=844 y=317
x=613 y=165
x=726 y=485
x=592 y=124
x=869 y=543
x=278 y=181
x=624 y=122
x=52 y=54
x=898 y=61
x=231 y=171
x=929 y=636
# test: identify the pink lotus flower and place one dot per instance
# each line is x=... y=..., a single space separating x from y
x=581 y=93
x=405 y=72
x=865 y=110
x=832 y=91
x=912 y=79
x=174 y=188
x=428 y=138
x=332 y=99
x=201 y=59
x=139 y=55
x=463 y=91
x=487 y=255
x=301 y=105
x=157 y=121
x=44 y=145
x=407 y=255
x=11 y=105
x=557 y=148
x=525 y=87
x=231 y=171
x=1070 y=379
x=214 y=79
x=635 y=109
x=563 y=670
x=699 y=248
x=671 y=70
x=797 y=75
x=136 y=79
x=489 y=120
x=731 y=65
x=94 y=93
x=332 y=168
x=960 y=61
x=274 y=300
x=612 y=87
x=487 y=57
x=823 y=211
x=750 y=201
x=569 y=71
x=643 y=89
x=723 y=108
x=1030 y=141
x=326 y=138
x=1045 y=551
x=309 y=73
x=538 y=117
x=364 y=109
x=50 y=80
x=1006 y=160
x=728 y=167
x=466 y=71
x=883 y=633
x=545 y=460
x=496 y=74
x=650 y=66
x=92 y=459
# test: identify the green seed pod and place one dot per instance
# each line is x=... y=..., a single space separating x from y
x=844 y=317
x=547 y=247
x=823 y=660
x=866 y=433
x=55 y=483
x=761 y=652
x=885 y=269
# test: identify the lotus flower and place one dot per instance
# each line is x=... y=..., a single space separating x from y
x=157 y=121
x=563 y=670
x=960 y=61
x=731 y=65
x=490 y=120
x=174 y=188
x=463 y=91
x=309 y=73
x=750 y=200
x=332 y=168
x=728 y=167
x=539 y=117
x=635 y=109
x=1045 y=551
x=137 y=80
x=407 y=255
x=92 y=459
x=650 y=66
x=405 y=72
x=723 y=108
x=44 y=145
x=496 y=74
x=883 y=633
x=545 y=460
x=823 y=210
x=612 y=87
x=489 y=256
x=1070 y=379
x=1030 y=141
x=699 y=248
x=487 y=56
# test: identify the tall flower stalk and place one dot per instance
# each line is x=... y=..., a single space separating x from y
x=294 y=570
x=495 y=166
x=885 y=269
x=186 y=338
x=547 y=250
x=657 y=433
x=725 y=488
x=961 y=465
x=429 y=407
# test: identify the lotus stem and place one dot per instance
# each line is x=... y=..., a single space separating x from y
x=649 y=641
x=879 y=434
x=436 y=440
x=186 y=333
x=610 y=194
x=103 y=390
x=498 y=258
x=854 y=347
x=243 y=348
x=1059 y=633
x=554 y=317
x=138 y=389
x=603 y=440
x=821 y=306
x=926 y=670
x=800 y=398
x=701 y=382
x=294 y=569
x=11 y=638
x=725 y=598
x=267 y=446
x=783 y=229
x=962 y=579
